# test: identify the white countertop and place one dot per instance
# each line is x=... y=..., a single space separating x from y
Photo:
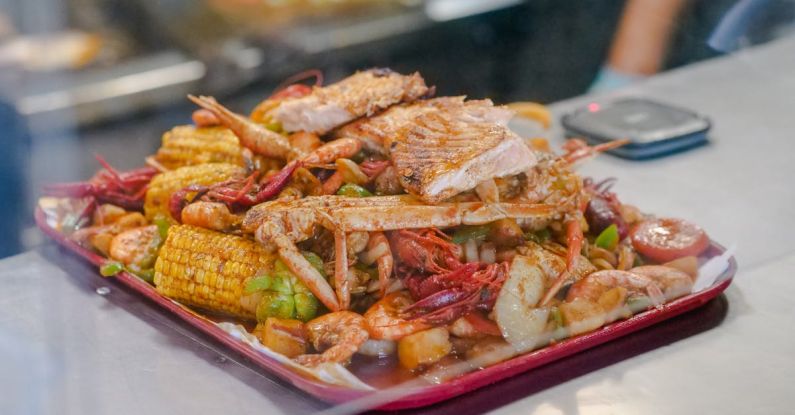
x=739 y=188
x=68 y=350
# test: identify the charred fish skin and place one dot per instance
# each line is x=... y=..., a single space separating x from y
x=362 y=94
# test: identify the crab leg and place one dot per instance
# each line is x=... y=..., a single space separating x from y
x=281 y=224
x=380 y=245
x=341 y=281
x=438 y=216
x=379 y=217
x=271 y=234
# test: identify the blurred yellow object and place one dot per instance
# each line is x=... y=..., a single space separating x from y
x=68 y=49
x=533 y=111
x=540 y=144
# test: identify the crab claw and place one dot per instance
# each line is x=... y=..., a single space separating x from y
x=270 y=234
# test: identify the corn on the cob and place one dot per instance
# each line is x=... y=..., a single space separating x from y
x=209 y=269
x=186 y=145
x=164 y=184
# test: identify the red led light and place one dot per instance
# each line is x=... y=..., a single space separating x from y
x=593 y=107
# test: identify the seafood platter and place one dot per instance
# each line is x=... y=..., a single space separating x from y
x=369 y=236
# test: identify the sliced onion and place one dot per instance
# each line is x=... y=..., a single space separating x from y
x=373 y=286
x=506 y=255
x=396 y=285
x=351 y=171
x=369 y=257
x=488 y=253
x=378 y=348
x=471 y=251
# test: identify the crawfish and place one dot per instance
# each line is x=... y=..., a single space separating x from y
x=241 y=194
x=475 y=287
x=453 y=289
x=124 y=189
x=425 y=250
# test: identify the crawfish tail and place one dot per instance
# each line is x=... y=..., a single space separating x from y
x=277 y=183
x=179 y=200
x=438 y=282
x=434 y=302
x=122 y=200
x=465 y=304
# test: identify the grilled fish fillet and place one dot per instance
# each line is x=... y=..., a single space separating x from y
x=443 y=154
x=376 y=132
x=444 y=146
x=361 y=94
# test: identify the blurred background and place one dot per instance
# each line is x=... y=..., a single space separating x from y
x=108 y=77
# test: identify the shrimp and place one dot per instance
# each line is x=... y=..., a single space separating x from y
x=106 y=226
x=550 y=257
x=384 y=322
x=328 y=152
x=132 y=246
x=304 y=143
x=357 y=242
x=210 y=215
x=378 y=251
x=203 y=118
x=594 y=285
x=674 y=283
x=553 y=181
x=252 y=135
x=338 y=335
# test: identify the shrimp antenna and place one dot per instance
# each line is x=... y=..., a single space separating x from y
x=301 y=76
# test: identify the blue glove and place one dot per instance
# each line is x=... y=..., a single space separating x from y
x=608 y=79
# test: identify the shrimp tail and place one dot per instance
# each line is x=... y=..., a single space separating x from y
x=574 y=238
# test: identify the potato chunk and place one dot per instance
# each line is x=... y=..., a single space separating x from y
x=424 y=348
x=282 y=336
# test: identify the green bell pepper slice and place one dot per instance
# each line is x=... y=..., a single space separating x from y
x=353 y=190
x=608 y=238
x=467 y=232
x=111 y=268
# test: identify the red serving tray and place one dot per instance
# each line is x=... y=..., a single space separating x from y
x=432 y=393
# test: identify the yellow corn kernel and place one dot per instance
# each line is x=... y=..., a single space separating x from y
x=164 y=184
x=209 y=269
x=186 y=145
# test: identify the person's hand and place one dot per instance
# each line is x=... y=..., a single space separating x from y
x=640 y=43
x=608 y=79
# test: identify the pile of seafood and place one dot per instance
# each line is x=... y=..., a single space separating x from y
x=368 y=217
